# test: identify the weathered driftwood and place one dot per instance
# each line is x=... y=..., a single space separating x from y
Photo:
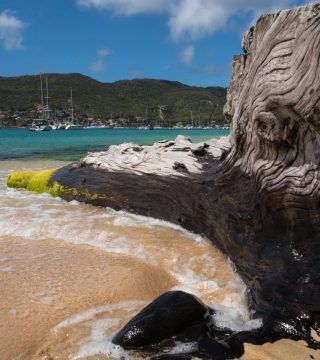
x=258 y=200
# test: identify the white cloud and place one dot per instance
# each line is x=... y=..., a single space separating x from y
x=100 y=63
x=127 y=7
x=196 y=18
x=11 y=29
x=104 y=52
x=190 y=18
x=187 y=55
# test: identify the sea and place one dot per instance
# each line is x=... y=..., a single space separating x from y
x=71 y=145
x=71 y=275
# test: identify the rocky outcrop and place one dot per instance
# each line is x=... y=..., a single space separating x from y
x=257 y=200
x=178 y=317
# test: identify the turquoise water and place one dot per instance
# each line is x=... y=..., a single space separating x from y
x=71 y=145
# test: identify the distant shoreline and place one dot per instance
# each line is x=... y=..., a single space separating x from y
x=65 y=145
x=131 y=128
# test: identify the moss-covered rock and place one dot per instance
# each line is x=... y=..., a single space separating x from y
x=37 y=181
x=41 y=182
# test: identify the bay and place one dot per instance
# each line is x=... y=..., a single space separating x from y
x=71 y=145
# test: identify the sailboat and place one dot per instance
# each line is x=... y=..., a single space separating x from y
x=43 y=123
x=73 y=125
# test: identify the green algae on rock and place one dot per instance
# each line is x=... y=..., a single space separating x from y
x=41 y=182
x=37 y=181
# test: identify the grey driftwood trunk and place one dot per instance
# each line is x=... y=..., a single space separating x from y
x=257 y=198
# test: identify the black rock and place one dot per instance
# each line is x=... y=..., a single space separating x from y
x=315 y=322
x=172 y=357
x=167 y=316
x=212 y=349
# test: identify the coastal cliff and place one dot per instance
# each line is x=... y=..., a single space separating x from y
x=257 y=197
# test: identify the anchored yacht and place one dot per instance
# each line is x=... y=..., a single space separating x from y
x=73 y=125
x=43 y=123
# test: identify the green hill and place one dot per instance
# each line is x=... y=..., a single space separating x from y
x=125 y=98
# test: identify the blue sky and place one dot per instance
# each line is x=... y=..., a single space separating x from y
x=191 y=41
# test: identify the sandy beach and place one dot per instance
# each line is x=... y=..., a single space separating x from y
x=41 y=292
x=61 y=259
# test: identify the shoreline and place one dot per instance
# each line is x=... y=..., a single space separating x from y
x=34 y=219
x=56 y=345
x=85 y=290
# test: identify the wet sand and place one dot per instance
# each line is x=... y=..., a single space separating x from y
x=280 y=350
x=48 y=281
x=43 y=283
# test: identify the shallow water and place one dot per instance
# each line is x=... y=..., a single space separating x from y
x=71 y=145
x=71 y=275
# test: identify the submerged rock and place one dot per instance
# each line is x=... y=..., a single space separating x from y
x=167 y=316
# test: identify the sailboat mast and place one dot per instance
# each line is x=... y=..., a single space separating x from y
x=47 y=99
x=192 y=122
x=42 y=99
x=71 y=104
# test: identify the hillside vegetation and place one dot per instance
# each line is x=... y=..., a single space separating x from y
x=121 y=99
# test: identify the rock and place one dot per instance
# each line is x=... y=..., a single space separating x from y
x=315 y=322
x=167 y=316
x=212 y=349
x=173 y=357
x=231 y=347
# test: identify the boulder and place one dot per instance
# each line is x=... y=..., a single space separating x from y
x=167 y=316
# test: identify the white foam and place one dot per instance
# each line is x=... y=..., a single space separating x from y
x=180 y=348
x=100 y=343
x=38 y=217
x=102 y=330
x=124 y=218
x=90 y=313
x=231 y=318
x=45 y=216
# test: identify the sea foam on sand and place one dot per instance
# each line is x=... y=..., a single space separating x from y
x=192 y=260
